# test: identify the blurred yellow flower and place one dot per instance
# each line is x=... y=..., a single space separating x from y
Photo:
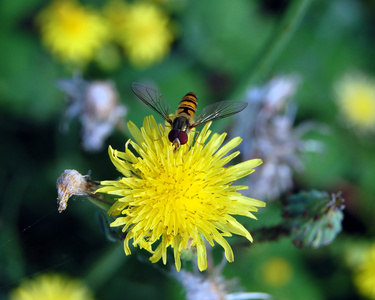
x=116 y=13
x=147 y=34
x=179 y=199
x=277 y=271
x=51 y=287
x=365 y=275
x=71 y=31
x=356 y=98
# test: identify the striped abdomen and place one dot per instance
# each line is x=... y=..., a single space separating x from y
x=187 y=106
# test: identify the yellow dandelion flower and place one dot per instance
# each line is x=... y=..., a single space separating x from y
x=51 y=287
x=179 y=199
x=356 y=98
x=365 y=276
x=277 y=272
x=147 y=36
x=72 y=32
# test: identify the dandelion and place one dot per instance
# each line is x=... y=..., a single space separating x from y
x=355 y=95
x=147 y=34
x=365 y=276
x=179 y=199
x=277 y=272
x=72 y=32
x=51 y=287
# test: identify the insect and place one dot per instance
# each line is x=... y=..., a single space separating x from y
x=184 y=118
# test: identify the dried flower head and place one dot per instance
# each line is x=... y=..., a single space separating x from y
x=98 y=107
x=213 y=287
x=271 y=135
x=179 y=199
x=72 y=183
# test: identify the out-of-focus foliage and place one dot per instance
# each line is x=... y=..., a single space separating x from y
x=211 y=48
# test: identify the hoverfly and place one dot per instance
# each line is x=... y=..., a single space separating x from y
x=184 y=118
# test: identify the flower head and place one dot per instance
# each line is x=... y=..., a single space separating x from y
x=98 y=106
x=271 y=135
x=72 y=32
x=147 y=35
x=179 y=199
x=277 y=272
x=72 y=183
x=198 y=286
x=51 y=287
x=365 y=275
x=356 y=98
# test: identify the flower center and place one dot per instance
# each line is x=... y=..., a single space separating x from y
x=365 y=107
x=177 y=192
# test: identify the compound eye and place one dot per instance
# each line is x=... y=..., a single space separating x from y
x=173 y=134
x=183 y=137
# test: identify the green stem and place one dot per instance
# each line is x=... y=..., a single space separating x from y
x=268 y=234
x=102 y=201
x=262 y=65
x=106 y=266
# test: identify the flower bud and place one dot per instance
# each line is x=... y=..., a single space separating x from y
x=314 y=218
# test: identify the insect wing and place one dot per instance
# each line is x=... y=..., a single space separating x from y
x=218 y=111
x=153 y=99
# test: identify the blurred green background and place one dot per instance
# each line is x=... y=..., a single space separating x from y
x=216 y=50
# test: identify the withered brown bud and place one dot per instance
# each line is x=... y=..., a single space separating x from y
x=70 y=183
